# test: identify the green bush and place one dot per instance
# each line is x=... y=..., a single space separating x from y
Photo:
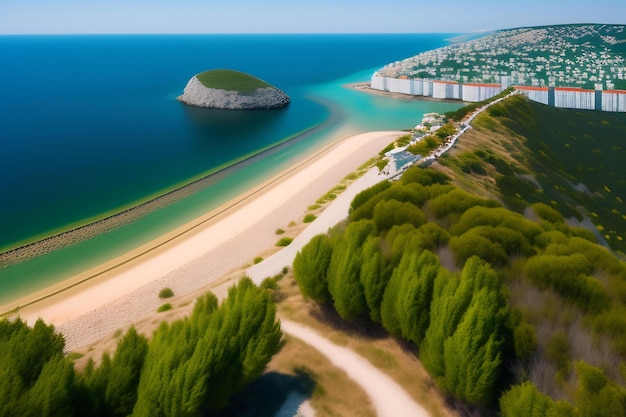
x=164 y=307
x=525 y=340
x=280 y=231
x=309 y=218
x=390 y=213
x=166 y=293
x=284 y=241
x=310 y=267
x=257 y=260
x=547 y=213
x=314 y=207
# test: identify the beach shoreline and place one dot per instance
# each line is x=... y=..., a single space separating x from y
x=202 y=253
x=365 y=86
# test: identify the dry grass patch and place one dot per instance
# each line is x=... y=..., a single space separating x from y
x=334 y=394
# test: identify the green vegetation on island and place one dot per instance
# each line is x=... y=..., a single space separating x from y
x=189 y=367
x=231 y=80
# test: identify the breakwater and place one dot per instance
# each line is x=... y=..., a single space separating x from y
x=127 y=216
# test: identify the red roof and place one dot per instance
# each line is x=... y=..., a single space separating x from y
x=483 y=85
x=445 y=82
x=615 y=91
x=530 y=87
x=580 y=90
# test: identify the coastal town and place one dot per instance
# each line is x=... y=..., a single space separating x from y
x=573 y=66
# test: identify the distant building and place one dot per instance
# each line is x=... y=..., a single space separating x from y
x=563 y=97
x=479 y=92
x=446 y=90
x=614 y=100
x=574 y=98
x=538 y=94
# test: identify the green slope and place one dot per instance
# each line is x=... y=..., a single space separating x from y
x=574 y=161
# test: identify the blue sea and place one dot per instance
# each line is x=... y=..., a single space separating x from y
x=90 y=126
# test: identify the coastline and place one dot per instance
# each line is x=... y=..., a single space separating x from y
x=200 y=254
x=365 y=86
x=126 y=215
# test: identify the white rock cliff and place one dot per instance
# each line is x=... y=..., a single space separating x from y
x=196 y=94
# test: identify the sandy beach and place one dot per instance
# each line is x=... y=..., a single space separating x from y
x=199 y=255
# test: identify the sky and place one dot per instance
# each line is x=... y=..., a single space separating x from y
x=296 y=16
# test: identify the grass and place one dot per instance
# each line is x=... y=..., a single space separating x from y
x=284 y=241
x=164 y=307
x=75 y=355
x=166 y=293
x=231 y=80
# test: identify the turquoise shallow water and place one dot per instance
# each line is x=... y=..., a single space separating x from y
x=97 y=128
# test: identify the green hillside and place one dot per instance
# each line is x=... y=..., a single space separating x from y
x=522 y=152
x=478 y=263
x=230 y=80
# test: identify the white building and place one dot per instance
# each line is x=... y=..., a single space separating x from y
x=574 y=98
x=446 y=90
x=479 y=92
x=538 y=94
x=614 y=100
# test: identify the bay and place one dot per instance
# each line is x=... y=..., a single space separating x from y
x=90 y=126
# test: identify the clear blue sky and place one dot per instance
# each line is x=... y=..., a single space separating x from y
x=296 y=16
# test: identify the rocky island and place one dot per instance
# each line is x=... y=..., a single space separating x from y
x=227 y=89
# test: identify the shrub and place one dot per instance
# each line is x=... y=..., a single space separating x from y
x=391 y=213
x=166 y=293
x=280 y=231
x=284 y=241
x=381 y=164
x=525 y=340
x=258 y=260
x=314 y=207
x=309 y=218
x=547 y=213
x=164 y=307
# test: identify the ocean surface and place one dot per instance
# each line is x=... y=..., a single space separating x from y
x=90 y=126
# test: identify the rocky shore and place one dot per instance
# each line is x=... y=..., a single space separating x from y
x=196 y=94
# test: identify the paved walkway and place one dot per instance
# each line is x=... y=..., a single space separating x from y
x=388 y=397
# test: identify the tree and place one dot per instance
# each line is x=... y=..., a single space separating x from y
x=525 y=400
x=596 y=395
x=344 y=272
x=196 y=364
x=405 y=310
x=125 y=370
x=52 y=395
x=462 y=348
x=390 y=213
x=310 y=268
x=473 y=354
x=374 y=275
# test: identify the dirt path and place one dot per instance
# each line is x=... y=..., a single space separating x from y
x=388 y=398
